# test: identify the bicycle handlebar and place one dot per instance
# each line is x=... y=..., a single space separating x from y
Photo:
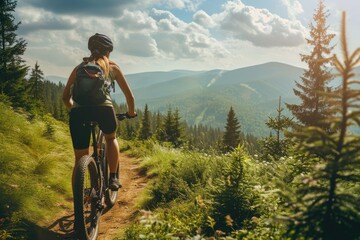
x=122 y=116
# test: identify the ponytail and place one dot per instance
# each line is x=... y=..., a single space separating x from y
x=100 y=59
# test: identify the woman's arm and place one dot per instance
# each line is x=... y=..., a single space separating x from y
x=67 y=91
x=120 y=79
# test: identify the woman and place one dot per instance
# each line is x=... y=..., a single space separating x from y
x=100 y=47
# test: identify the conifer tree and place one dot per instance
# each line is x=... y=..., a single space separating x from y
x=12 y=68
x=313 y=109
x=177 y=129
x=171 y=130
x=145 y=129
x=36 y=82
x=327 y=206
x=231 y=138
x=276 y=146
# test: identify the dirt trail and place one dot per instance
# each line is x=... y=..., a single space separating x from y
x=116 y=219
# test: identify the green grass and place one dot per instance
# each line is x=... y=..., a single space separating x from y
x=35 y=168
x=192 y=195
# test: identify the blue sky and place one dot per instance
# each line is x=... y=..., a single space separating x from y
x=163 y=35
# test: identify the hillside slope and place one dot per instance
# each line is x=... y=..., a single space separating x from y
x=36 y=159
x=206 y=96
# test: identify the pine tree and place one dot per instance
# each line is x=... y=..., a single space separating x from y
x=231 y=137
x=276 y=147
x=12 y=69
x=145 y=129
x=171 y=130
x=36 y=82
x=327 y=206
x=176 y=137
x=313 y=109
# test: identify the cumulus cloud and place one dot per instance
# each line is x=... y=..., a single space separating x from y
x=160 y=33
x=203 y=19
x=259 y=26
x=135 y=21
x=294 y=8
x=137 y=44
x=33 y=19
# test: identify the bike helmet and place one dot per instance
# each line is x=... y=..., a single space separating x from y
x=100 y=42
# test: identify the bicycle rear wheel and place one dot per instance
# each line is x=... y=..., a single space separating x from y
x=86 y=200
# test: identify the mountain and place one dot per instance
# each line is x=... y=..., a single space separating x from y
x=206 y=96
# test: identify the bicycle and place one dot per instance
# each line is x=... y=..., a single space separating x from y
x=91 y=192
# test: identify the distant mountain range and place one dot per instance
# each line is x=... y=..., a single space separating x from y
x=205 y=97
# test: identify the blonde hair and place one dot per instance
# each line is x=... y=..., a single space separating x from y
x=102 y=61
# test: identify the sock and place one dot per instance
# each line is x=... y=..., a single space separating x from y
x=112 y=175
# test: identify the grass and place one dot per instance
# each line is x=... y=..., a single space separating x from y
x=193 y=195
x=35 y=168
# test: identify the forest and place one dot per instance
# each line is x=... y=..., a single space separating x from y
x=300 y=182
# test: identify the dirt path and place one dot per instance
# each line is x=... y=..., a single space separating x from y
x=118 y=217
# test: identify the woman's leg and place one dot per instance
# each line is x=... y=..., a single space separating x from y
x=112 y=151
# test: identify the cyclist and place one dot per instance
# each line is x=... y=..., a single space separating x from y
x=100 y=47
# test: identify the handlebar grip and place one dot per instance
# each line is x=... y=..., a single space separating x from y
x=122 y=116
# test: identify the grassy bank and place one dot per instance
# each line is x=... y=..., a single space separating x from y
x=35 y=160
x=194 y=195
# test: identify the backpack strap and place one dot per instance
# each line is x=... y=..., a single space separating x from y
x=112 y=79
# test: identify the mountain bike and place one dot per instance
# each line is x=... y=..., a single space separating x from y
x=91 y=191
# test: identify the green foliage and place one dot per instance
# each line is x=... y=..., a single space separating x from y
x=145 y=129
x=35 y=170
x=12 y=69
x=182 y=221
x=276 y=147
x=193 y=194
x=171 y=130
x=313 y=108
x=233 y=197
x=325 y=204
x=36 y=86
x=231 y=137
x=167 y=184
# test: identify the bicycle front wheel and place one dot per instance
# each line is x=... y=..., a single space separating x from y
x=86 y=199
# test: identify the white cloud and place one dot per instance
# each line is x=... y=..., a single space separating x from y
x=203 y=19
x=137 y=44
x=135 y=21
x=294 y=8
x=189 y=5
x=259 y=26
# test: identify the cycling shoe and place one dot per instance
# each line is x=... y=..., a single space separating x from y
x=114 y=184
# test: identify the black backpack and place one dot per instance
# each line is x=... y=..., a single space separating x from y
x=90 y=86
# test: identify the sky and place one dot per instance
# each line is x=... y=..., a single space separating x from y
x=165 y=35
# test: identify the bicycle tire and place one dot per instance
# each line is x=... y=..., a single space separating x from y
x=87 y=214
x=110 y=196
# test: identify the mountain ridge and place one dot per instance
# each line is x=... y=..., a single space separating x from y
x=205 y=97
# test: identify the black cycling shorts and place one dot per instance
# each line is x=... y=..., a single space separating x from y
x=81 y=116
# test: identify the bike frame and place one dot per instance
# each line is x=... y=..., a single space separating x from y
x=98 y=156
